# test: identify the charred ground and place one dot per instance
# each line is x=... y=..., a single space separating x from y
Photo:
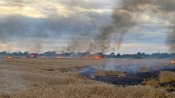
x=133 y=74
x=61 y=78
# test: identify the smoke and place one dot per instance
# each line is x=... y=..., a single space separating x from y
x=159 y=7
x=15 y=28
x=122 y=22
x=84 y=27
x=171 y=40
x=114 y=32
x=124 y=18
x=128 y=66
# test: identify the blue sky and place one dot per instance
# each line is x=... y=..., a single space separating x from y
x=42 y=25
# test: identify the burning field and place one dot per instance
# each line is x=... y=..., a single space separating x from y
x=133 y=74
x=88 y=78
x=78 y=36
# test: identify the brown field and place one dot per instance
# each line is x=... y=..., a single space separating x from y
x=60 y=78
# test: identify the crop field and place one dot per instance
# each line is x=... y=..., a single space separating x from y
x=68 y=78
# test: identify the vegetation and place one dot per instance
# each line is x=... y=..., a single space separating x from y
x=60 y=78
x=52 y=54
x=166 y=77
x=140 y=55
x=152 y=82
x=143 y=69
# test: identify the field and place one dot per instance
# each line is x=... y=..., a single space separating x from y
x=61 y=78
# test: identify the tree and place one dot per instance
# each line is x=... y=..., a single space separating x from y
x=138 y=55
x=118 y=55
x=112 y=55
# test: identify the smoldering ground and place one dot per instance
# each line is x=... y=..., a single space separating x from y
x=127 y=71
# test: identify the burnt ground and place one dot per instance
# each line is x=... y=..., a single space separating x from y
x=131 y=78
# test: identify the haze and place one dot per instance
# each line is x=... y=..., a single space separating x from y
x=85 y=25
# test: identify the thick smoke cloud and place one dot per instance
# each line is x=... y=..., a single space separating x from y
x=86 y=26
x=59 y=22
x=32 y=32
x=167 y=10
x=123 y=20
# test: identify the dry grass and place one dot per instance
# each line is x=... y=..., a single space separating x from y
x=152 y=82
x=59 y=78
x=143 y=69
x=110 y=73
x=166 y=77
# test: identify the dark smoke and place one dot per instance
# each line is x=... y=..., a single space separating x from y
x=167 y=8
x=123 y=20
x=171 y=40
x=85 y=31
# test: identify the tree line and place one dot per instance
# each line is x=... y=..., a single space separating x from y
x=138 y=55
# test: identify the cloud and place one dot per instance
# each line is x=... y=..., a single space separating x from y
x=18 y=27
x=56 y=8
x=46 y=23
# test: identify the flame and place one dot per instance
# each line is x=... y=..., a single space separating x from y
x=98 y=57
x=172 y=61
x=59 y=57
x=93 y=57
x=8 y=57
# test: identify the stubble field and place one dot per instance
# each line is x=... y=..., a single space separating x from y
x=61 y=78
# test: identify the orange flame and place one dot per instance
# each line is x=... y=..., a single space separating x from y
x=93 y=57
x=8 y=57
x=59 y=57
x=98 y=57
x=172 y=61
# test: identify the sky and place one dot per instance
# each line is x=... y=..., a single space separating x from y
x=53 y=25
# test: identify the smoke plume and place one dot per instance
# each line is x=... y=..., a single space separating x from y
x=124 y=19
x=85 y=30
